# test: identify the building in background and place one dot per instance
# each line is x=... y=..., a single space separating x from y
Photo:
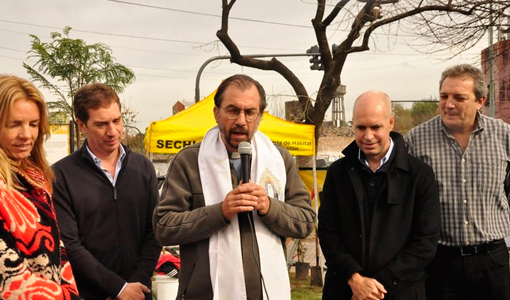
x=501 y=76
x=178 y=107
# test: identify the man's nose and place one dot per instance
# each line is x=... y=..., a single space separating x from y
x=241 y=118
x=111 y=129
x=369 y=134
x=449 y=103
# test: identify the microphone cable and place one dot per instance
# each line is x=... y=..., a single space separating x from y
x=255 y=244
x=245 y=151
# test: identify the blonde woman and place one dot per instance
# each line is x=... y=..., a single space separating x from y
x=33 y=263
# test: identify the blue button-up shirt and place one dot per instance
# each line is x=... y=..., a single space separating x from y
x=99 y=163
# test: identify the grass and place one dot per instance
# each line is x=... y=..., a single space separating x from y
x=303 y=290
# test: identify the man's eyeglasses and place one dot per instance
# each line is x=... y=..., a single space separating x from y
x=232 y=113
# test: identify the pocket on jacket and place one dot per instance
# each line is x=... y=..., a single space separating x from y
x=408 y=291
x=334 y=288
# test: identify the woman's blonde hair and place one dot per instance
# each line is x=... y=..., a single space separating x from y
x=13 y=88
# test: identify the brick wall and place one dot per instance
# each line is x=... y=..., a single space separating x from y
x=501 y=79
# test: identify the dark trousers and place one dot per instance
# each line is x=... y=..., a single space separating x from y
x=476 y=276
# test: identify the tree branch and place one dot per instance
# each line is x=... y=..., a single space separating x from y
x=269 y=65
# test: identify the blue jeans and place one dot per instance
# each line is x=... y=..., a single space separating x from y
x=478 y=276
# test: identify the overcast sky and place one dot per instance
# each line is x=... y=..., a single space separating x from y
x=166 y=42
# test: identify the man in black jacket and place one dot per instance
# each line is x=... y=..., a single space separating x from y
x=104 y=198
x=379 y=217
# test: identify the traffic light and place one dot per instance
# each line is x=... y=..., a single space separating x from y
x=316 y=58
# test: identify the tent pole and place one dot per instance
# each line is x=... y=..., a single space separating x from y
x=316 y=206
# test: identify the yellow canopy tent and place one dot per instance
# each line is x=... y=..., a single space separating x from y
x=313 y=179
x=190 y=125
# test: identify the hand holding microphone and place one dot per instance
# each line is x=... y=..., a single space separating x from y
x=263 y=202
x=247 y=196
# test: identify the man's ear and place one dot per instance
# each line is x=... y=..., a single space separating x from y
x=216 y=112
x=480 y=102
x=82 y=126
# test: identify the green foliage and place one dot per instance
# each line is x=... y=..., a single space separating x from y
x=403 y=119
x=58 y=117
x=301 y=289
x=421 y=111
x=64 y=65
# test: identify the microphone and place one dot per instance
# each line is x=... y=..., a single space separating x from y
x=244 y=150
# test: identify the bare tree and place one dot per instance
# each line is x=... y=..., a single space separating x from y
x=132 y=136
x=276 y=105
x=448 y=25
